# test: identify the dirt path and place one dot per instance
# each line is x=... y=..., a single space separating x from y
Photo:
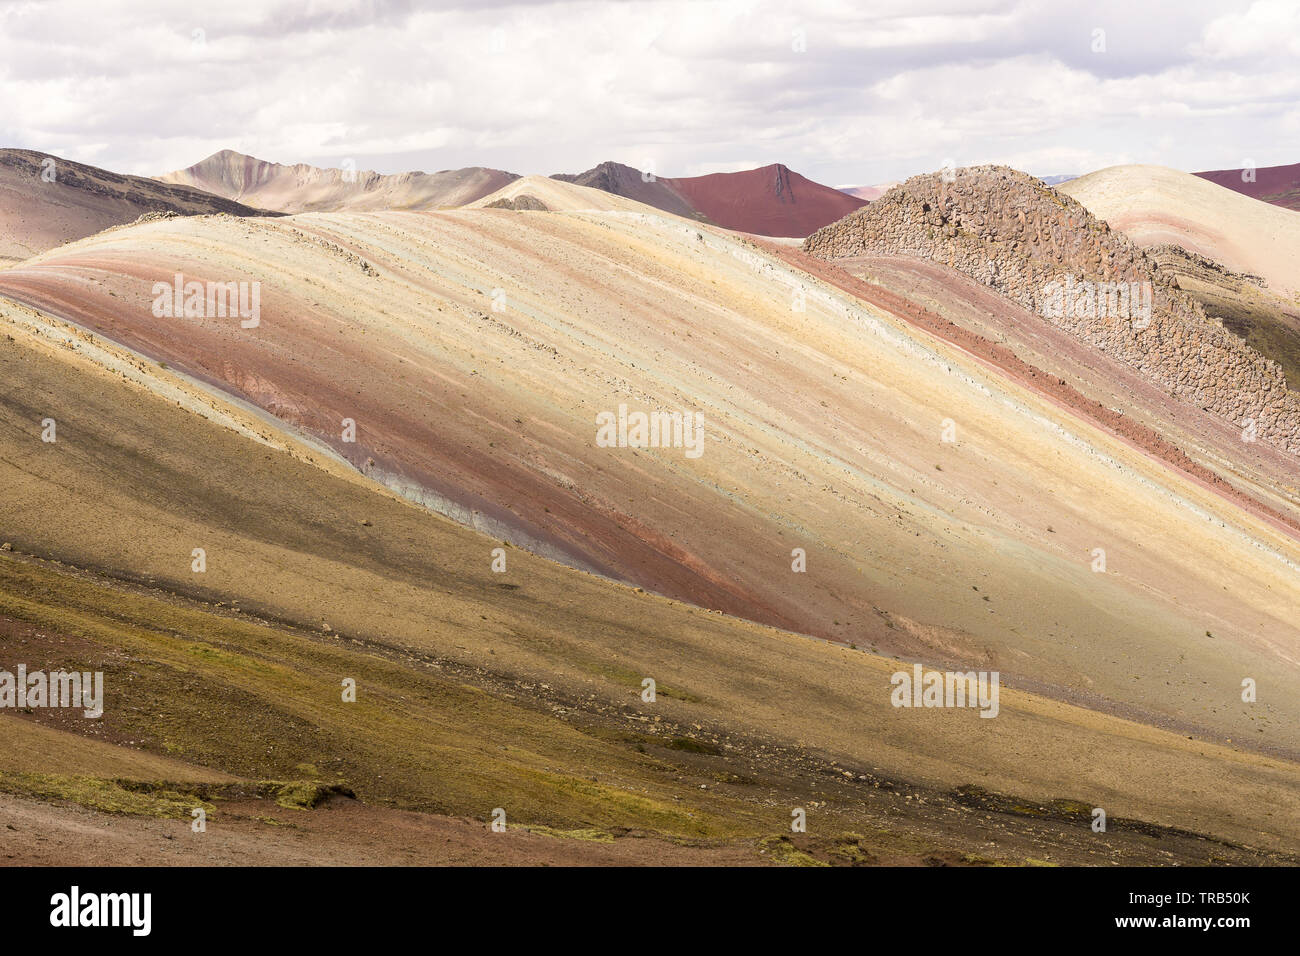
x=341 y=832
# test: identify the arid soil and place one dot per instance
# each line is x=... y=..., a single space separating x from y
x=1062 y=363
x=473 y=350
x=435 y=736
x=825 y=433
x=559 y=196
x=1146 y=415
x=341 y=832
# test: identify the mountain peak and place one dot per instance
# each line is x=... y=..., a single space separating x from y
x=306 y=188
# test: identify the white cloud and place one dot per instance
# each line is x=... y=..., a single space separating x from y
x=1267 y=28
x=694 y=86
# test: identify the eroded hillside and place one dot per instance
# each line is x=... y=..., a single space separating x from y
x=474 y=350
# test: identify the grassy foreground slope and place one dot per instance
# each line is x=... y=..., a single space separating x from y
x=479 y=690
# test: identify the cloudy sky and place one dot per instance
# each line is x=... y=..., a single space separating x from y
x=845 y=92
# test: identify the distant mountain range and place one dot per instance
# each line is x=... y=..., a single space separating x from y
x=774 y=200
x=769 y=201
x=303 y=188
x=1279 y=185
x=46 y=201
x=867 y=193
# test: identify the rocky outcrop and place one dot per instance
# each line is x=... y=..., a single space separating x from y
x=1045 y=251
x=524 y=202
x=1179 y=263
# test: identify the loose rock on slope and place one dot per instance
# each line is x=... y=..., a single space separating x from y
x=1021 y=237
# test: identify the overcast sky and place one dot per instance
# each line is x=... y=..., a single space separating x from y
x=844 y=92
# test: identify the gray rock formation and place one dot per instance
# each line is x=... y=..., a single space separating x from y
x=524 y=202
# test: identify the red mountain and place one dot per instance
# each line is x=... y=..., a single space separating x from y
x=769 y=201
x=1279 y=185
x=623 y=180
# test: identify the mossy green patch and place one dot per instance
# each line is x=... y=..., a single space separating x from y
x=588 y=835
x=782 y=851
x=692 y=745
x=104 y=795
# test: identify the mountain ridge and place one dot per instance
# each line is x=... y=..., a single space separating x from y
x=46 y=201
x=301 y=187
x=771 y=200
